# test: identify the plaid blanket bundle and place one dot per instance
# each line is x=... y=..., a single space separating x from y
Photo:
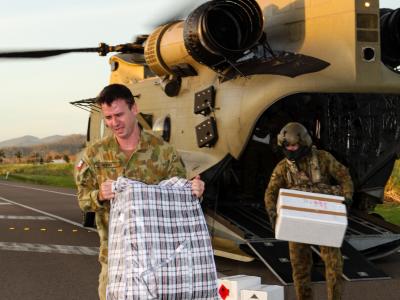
x=159 y=246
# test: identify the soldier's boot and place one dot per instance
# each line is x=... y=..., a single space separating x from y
x=103 y=279
x=301 y=260
x=333 y=271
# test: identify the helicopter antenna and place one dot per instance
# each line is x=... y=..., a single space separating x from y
x=267 y=46
x=234 y=67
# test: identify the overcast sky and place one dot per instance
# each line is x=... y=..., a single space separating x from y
x=35 y=94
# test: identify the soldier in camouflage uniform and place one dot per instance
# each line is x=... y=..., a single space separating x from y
x=129 y=152
x=308 y=169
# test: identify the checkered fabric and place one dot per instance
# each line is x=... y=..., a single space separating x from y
x=159 y=245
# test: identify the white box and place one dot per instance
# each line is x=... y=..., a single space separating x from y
x=231 y=286
x=310 y=218
x=264 y=292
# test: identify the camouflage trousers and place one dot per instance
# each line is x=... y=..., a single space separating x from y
x=301 y=260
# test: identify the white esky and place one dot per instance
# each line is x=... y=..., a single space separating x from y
x=35 y=94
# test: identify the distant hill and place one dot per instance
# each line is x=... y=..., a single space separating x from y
x=28 y=145
x=27 y=140
x=53 y=139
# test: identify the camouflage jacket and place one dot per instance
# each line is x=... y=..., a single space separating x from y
x=153 y=161
x=316 y=172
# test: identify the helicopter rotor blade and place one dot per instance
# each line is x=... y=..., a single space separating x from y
x=178 y=12
x=102 y=50
x=44 y=53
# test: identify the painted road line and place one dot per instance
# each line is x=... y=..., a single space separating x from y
x=43 y=248
x=37 y=189
x=42 y=218
x=48 y=214
x=5 y=204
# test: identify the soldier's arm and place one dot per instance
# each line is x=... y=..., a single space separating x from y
x=276 y=182
x=341 y=174
x=88 y=188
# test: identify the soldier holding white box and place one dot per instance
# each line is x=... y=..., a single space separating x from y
x=308 y=169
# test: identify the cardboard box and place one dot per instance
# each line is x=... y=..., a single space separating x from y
x=264 y=292
x=310 y=218
x=229 y=287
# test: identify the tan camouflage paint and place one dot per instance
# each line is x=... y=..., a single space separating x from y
x=153 y=161
x=300 y=177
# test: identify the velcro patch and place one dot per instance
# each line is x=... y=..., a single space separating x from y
x=107 y=164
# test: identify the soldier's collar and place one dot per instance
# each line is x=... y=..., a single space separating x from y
x=142 y=138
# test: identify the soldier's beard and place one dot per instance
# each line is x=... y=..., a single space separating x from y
x=298 y=154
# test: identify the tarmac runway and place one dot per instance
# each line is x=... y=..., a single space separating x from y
x=46 y=254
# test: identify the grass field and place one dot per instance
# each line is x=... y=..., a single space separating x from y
x=47 y=174
x=390 y=211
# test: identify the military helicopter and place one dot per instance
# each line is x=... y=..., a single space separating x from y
x=221 y=84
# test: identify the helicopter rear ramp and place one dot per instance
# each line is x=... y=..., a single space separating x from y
x=362 y=237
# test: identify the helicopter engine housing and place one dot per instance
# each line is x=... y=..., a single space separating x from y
x=214 y=34
x=390 y=37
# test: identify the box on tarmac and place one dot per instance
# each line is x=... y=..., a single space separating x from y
x=263 y=292
x=229 y=287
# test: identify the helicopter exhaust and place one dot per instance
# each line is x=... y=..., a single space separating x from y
x=390 y=37
x=214 y=34
x=222 y=30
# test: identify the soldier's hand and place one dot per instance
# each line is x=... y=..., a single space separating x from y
x=272 y=220
x=197 y=186
x=105 y=192
x=348 y=202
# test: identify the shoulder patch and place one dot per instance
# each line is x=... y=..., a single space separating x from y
x=80 y=165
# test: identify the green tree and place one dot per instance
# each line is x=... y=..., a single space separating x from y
x=18 y=155
x=66 y=158
x=2 y=155
x=36 y=157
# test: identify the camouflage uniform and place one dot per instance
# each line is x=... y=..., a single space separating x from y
x=312 y=173
x=152 y=161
